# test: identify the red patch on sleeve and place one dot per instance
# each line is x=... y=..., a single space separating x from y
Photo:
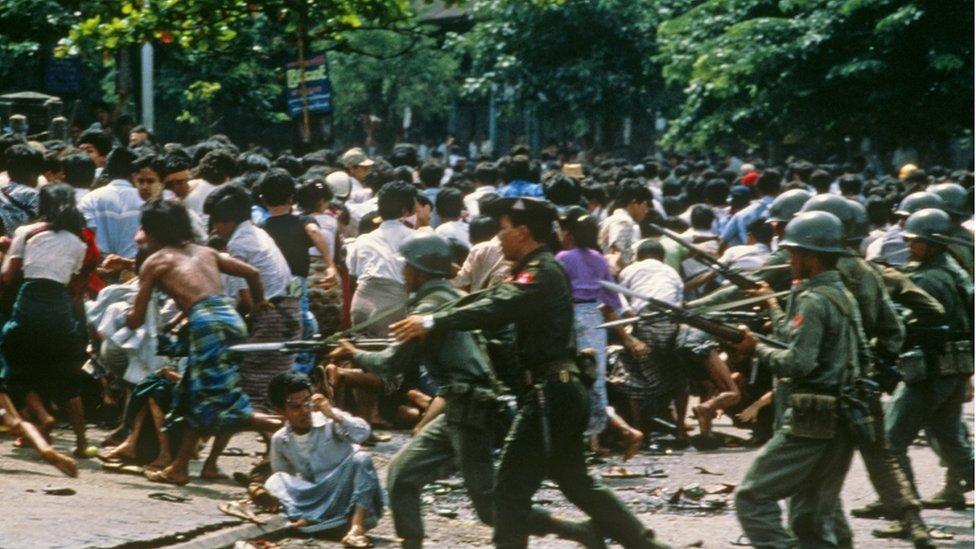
x=797 y=321
x=525 y=278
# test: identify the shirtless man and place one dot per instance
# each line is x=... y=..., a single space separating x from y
x=208 y=399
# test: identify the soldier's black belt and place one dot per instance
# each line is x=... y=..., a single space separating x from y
x=562 y=370
x=453 y=391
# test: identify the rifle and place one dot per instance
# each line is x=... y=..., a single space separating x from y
x=309 y=345
x=717 y=329
x=727 y=317
x=732 y=275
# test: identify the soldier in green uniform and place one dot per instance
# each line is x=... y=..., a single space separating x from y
x=546 y=437
x=774 y=271
x=885 y=335
x=461 y=432
x=809 y=455
x=934 y=390
x=958 y=206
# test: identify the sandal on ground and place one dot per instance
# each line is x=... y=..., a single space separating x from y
x=162 y=476
x=356 y=540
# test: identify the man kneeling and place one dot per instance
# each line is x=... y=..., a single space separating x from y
x=320 y=477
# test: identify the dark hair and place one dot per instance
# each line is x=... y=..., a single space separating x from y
x=595 y=193
x=486 y=173
x=584 y=230
x=253 y=162
x=289 y=163
x=277 y=187
x=716 y=192
x=850 y=184
x=650 y=249
x=820 y=180
x=23 y=162
x=167 y=222
x=539 y=225
x=449 y=203
x=79 y=169
x=56 y=205
x=119 y=163
x=380 y=174
x=310 y=193
x=394 y=198
x=142 y=129
x=878 y=210
x=285 y=384
x=431 y=175
x=482 y=228
x=518 y=168
x=217 y=166
x=150 y=161
x=102 y=141
x=702 y=216
x=762 y=231
x=172 y=163
x=632 y=190
x=229 y=202
x=769 y=182
x=561 y=189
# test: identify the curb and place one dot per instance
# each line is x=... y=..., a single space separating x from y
x=226 y=537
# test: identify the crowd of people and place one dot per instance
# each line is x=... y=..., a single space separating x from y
x=471 y=297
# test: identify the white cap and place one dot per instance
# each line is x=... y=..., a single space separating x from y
x=340 y=183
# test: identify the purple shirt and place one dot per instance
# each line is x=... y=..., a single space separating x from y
x=585 y=267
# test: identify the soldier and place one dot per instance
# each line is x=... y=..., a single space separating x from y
x=884 y=329
x=461 y=432
x=933 y=392
x=546 y=437
x=809 y=455
x=957 y=205
x=773 y=271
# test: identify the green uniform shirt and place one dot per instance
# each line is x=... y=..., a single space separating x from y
x=821 y=338
x=942 y=278
x=963 y=254
x=537 y=298
x=449 y=356
x=880 y=320
x=906 y=293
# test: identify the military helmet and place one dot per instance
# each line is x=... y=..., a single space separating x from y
x=815 y=231
x=788 y=204
x=955 y=197
x=919 y=201
x=430 y=254
x=837 y=205
x=861 y=226
x=928 y=224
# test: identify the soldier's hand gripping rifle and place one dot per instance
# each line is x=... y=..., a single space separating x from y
x=717 y=329
x=733 y=276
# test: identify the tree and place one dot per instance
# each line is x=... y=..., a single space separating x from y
x=802 y=70
x=589 y=59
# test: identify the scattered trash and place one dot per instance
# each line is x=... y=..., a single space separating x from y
x=699 y=543
x=171 y=498
x=693 y=491
x=446 y=512
x=453 y=484
x=59 y=491
x=705 y=471
x=724 y=488
x=941 y=535
x=234 y=451
x=741 y=541
x=239 y=510
x=620 y=472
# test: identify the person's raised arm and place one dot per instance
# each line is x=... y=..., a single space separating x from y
x=147 y=278
x=236 y=267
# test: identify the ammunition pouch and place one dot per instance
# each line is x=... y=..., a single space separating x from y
x=928 y=338
x=956 y=358
x=558 y=370
x=469 y=406
x=586 y=363
x=813 y=416
x=857 y=406
x=913 y=366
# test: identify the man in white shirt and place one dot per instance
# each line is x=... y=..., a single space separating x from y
x=486 y=178
x=113 y=212
x=229 y=208
x=449 y=206
x=374 y=264
x=619 y=231
x=357 y=165
x=216 y=167
x=651 y=277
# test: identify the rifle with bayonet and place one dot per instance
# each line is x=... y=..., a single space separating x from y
x=311 y=345
x=715 y=328
x=732 y=275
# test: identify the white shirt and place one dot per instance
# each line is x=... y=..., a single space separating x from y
x=619 y=231
x=471 y=201
x=746 y=256
x=377 y=255
x=200 y=189
x=115 y=213
x=485 y=266
x=693 y=267
x=255 y=247
x=358 y=210
x=890 y=248
x=328 y=226
x=51 y=255
x=652 y=278
x=457 y=230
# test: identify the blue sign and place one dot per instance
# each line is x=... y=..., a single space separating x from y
x=62 y=75
x=318 y=88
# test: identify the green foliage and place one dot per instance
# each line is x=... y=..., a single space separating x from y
x=752 y=70
x=583 y=57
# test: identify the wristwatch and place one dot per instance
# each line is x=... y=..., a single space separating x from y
x=427 y=321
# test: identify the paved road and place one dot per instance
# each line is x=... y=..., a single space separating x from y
x=112 y=509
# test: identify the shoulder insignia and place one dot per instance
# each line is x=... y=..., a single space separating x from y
x=796 y=322
x=525 y=278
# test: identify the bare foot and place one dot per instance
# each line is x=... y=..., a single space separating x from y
x=61 y=462
x=635 y=439
x=168 y=476
x=124 y=451
x=298 y=523
x=704 y=415
x=211 y=473
x=161 y=462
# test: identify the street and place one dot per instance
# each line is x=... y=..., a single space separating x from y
x=109 y=509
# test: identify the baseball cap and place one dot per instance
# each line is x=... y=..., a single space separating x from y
x=355 y=157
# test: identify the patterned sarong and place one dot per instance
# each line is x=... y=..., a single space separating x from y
x=283 y=322
x=655 y=375
x=209 y=397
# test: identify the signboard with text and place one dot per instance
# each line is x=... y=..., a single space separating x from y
x=318 y=88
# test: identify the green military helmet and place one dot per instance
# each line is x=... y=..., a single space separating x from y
x=928 y=224
x=788 y=204
x=834 y=204
x=955 y=197
x=815 y=231
x=861 y=226
x=429 y=254
x=919 y=201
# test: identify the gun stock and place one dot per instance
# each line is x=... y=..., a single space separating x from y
x=731 y=275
